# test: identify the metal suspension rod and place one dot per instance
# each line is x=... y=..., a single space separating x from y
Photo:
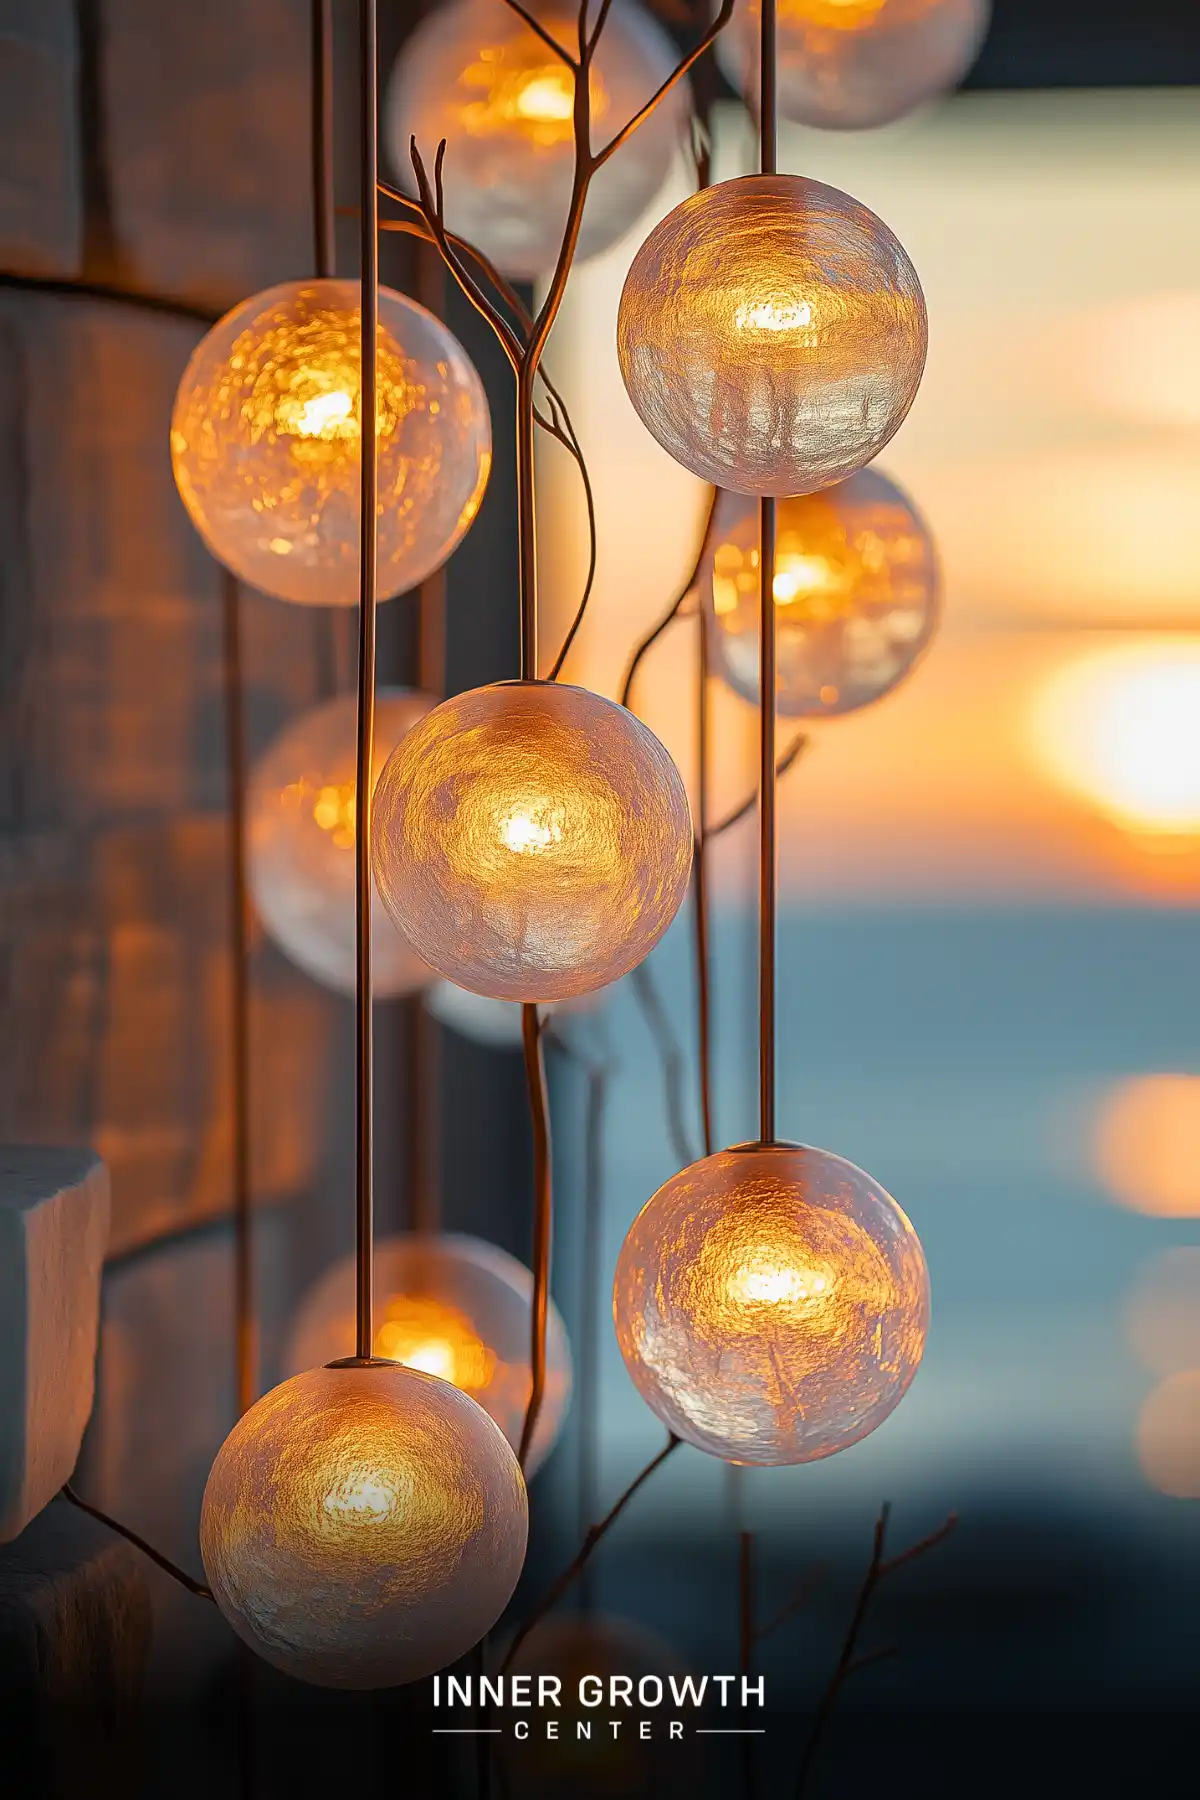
x=369 y=500
x=767 y=826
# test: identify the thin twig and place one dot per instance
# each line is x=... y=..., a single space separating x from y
x=792 y=754
x=798 y=1601
x=539 y=1111
x=850 y=1661
x=673 y=609
x=539 y=30
x=156 y=1556
x=432 y=211
x=639 y=118
x=597 y=1533
x=671 y=1057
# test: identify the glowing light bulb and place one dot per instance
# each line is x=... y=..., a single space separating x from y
x=265 y=441
x=772 y=335
x=1121 y=729
x=771 y=1304
x=857 y=594
x=450 y=1306
x=363 y=1527
x=300 y=838
x=849 y=64
x=532 y=840
x=475 y=74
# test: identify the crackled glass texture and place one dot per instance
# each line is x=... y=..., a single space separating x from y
x=856 y=594
x=771 y=1304
x=455 y=1307
x=475 y=74
x=850 y=64
x=300 y=829
x=772 y=334
x=532 y=840
x=362 y=1528
x=265 y=442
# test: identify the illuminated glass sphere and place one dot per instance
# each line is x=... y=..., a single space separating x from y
x=771 y=1304
x=454 y=1307
x=300 y=843
x=532 y=840
x=772 y=334
x=363 y=1527
x=848 y=64
x=856 y=594
x=475 y=74
x=265 y=442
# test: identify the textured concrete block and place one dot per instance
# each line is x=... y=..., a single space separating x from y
x=75 y=1630
x=53 y=1235
x=41 y=196
x=208 y=124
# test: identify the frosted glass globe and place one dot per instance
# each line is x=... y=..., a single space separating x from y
x=846 y=64
x=771 y=1304
x=363 y=1527
x=475 y=74
x=532 y=840
x=455 y=1307
x=856 y=594
x=772 y=334
x=265 y=442
x=300 y=825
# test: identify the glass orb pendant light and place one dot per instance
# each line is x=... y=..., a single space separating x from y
x=856 y=589
x=849 y=64
x=363 y=1526
x=772 y=334
x=474 y=74
x=532 y=840
x=300 y=851
x=266 y=432
x=457 y=1308
x=771 y=1304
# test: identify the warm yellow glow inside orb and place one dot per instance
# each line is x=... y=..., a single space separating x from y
x=1120 y=729
x=266 y=440
x=849 y=64
x=771 y=1304
x=772 y=335
x=1147 y=1146
x=300 y=835
x=475 y=74
x=454 y=1307
x=1168 y=1436
x=532 y=840
x=857 y=594
x=363 y=1527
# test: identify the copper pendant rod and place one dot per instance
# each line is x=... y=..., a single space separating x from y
x=369 y=501
x=324 y=212
x=767 y=825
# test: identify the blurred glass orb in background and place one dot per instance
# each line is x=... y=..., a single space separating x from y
x=771 y=1304
x=300 y=843
x=475 y=74
x=1168 y=1436
x=574 y=1647
x=532 y=840
x=772 y=334
x=363 y=1527
x=856 y=594
x=1162 y=1316
x=455 y=1307
x=265 y=442
x=849 y=64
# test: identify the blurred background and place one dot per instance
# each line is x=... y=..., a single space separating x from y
x=990 y=955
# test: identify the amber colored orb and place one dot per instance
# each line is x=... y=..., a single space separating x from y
x=300 y=829
x=454 y=1307
x=265 y=442
x=532 y=840
x=772 y=334
x=771 y=1304
x=363 y=1527
x=849 y=64
x=857 y=594
x=475 y=74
